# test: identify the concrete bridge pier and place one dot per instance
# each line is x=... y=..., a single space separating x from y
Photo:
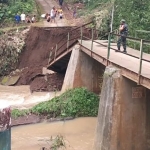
x=124 y=114
x=83 y=71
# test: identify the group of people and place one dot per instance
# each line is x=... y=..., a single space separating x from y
x=50 y=17
x=24 y=18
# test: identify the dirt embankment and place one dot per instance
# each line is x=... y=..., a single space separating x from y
x=38 y=46
x=35 y=56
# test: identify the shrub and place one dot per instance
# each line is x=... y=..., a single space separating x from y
x=76 y=103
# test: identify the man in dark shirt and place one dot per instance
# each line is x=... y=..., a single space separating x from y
x=60 y=2
x=122 y=39
x=17 y=18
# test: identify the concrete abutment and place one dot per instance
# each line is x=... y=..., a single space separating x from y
x=124 y=117
x=124 y=114
x=83 y=71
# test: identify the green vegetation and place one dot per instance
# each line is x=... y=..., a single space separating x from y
x=18 y=113
x=12 y=43
x=78 y=102
x=8 y=10
x=57 y=142
x=135 y=12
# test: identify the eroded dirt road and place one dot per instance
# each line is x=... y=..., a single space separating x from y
x=66 y=21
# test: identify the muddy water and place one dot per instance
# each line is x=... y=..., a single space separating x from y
x=21 y=97
x=78 y=134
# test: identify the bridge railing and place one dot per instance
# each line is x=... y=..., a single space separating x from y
x=141 y=41
x=67 y=41
x=108 y=46
x=72 y=37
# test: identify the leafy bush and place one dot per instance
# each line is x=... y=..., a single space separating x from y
x=10 y=9
x=135 y=12
x=76 y=103
x=18 y=113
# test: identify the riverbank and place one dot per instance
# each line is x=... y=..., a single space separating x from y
x=78 y=102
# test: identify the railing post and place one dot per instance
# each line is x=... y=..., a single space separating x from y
x=117 y=35
x=92 y=41
x=81 y=30
x=108 y=50
x=56 y=51
x=140 y=61
x=135 y=37
x=50 y=54
x=68 y=41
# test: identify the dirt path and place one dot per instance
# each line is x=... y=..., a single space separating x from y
x=47 y=6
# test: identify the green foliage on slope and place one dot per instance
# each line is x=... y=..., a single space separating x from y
x=8 y=9
x=135 y=12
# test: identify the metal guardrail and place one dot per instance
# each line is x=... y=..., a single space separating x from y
x=70 y=39
x=115 y=33
x=68 y=43
x=142 y=41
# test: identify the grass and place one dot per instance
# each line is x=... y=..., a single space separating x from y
x=78 y=102
x=2 y=30
x=15 y=113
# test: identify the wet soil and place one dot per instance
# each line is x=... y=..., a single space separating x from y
x=51 y=82
x=33 y=118
x=23 y=120
x=35 y=56
x=38 y=45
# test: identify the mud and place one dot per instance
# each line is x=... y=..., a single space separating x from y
x=38 y=46
x=51 y=82
x=35 y=56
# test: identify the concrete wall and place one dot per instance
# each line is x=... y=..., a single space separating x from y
x=83 y=71
x=148 y=118
x=122 y=117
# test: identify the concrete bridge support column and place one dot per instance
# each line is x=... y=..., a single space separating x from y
x=5 y=127
x=83 y=71
x=122 y=114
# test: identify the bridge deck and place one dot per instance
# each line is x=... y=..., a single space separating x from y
x=120 y=59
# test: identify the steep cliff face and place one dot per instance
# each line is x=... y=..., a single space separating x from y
x=11 y=45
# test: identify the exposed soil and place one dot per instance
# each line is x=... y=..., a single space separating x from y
x=38 y=45
x=32 y=118
x=35 y=56
x=29 y=119
x=51 y=82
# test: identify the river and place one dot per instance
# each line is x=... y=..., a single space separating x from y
x=21 y=97
x=78 y=134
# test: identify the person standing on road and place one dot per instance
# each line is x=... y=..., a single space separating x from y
x=60 y=2
x=53 y=14
x=23 y=17
x=17 y=18
x=74 y=12
x=123 y=33
x=33 y=20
